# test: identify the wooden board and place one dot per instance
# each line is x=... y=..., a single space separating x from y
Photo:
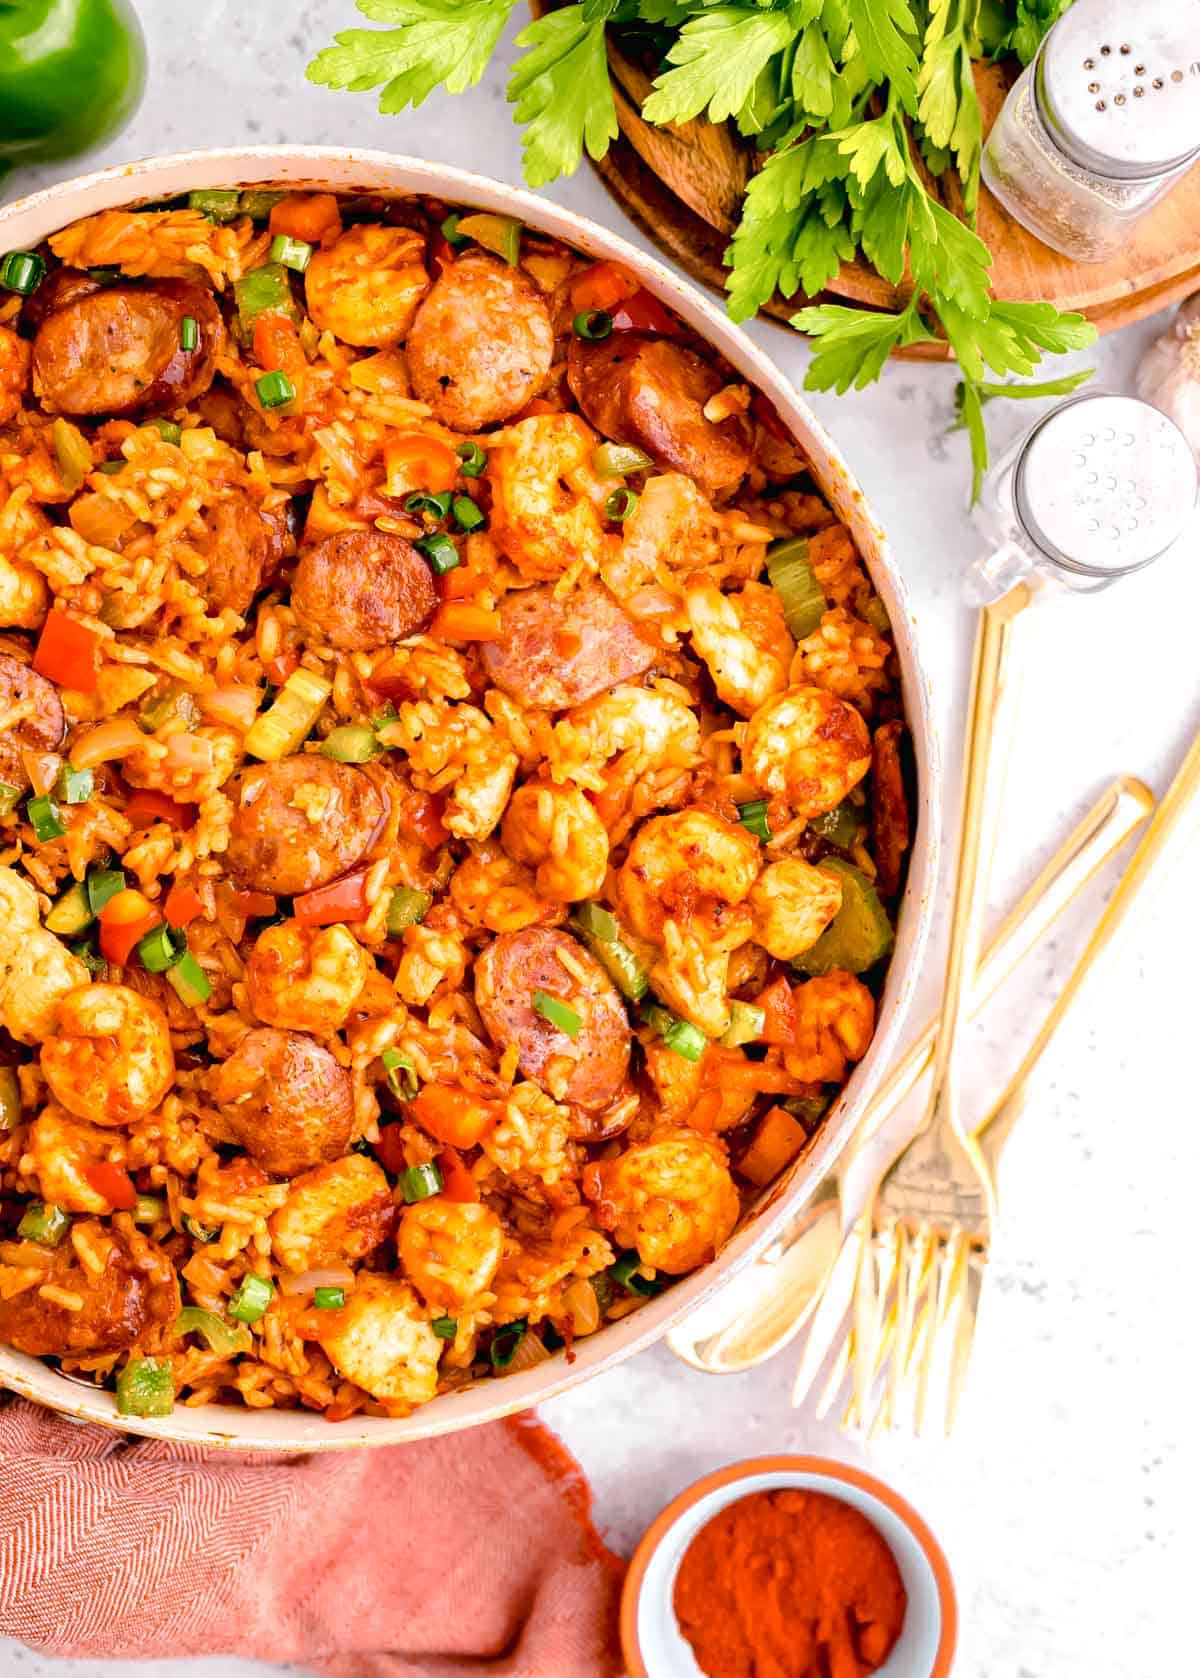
x=682 y=185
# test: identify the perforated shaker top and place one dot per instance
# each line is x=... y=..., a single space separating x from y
x=1119 y=85
x=1106 y=484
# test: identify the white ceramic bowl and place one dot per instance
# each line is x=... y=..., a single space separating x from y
x=24 y=224
x=651 y=1641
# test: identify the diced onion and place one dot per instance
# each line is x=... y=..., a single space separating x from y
x=106 y=742
x=306 y=1281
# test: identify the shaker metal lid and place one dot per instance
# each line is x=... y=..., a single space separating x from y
x=1119 y=85
x=1106 y=484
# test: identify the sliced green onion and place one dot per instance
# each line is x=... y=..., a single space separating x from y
x=219 y=204
x=685 y=1039
x=753 y=817
x=600 y=932
x=468 y=514
x=746 y=1022
x=149 y=1208
x=592 y=325
x=292 y=253
x=167 y=429
x=22 y=272
x=558 y=1014
x=10 y=1099
x=421 y=501
x=472 y=458
x=250 y=1301
x=74 y=786
x=401 y=1077
x=445 y=1327
x=407 y=908
x=450 y=233
x=351 y=743
x=620 y=504
x=220 y=1336
x=85 y=951
x=205 y=1234
x=146 y=1387
x=274 y=389
x=795 y=582
x=440 y=551
x=44 y=818
x=103 y=884
x=71 y=913
x=258 y=204
x=618 y=460
x=10 y=797
x=329 y=1299
x=419 y=1182
x=505 y=1342
x=189 y=333
x=160 y=949
x=43 y=1223
x=189 y=981
x=627 y=1273
x=261 y=290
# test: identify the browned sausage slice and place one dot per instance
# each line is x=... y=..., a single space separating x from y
x=361 y=589
x=557 y=652
x=482 y=343
x=300 y=823
x=242 y=545
x=43 y=730
x=889 y=806
x=119 y=349
x=119 y=1305
x=587 y=1070
x=287 y=1099
x=650 y=392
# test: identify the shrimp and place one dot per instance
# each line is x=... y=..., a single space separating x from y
x=744 y=641
x=110 y=1059
x=63 y=1150
x=382 y=1341
x=305 y=978
x=672 y=529
x=793 y=903
x=835 y=1020
x=557 y=830
x=450 y=1251
x=334 y=1214
x=648 y=728
x=457 y=749
x=809 y=747
x=672 y=1198
x=490 y=890
x=546 y=498
x=365 y=287
x=683 y=887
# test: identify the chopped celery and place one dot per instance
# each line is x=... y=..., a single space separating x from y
x=167 y=702
x=43 y=1223
x=146 y=1387
x=617 y=460
x=859 y=935
x=189 y=981
x=149 y=1208
x=257 y=203
x=500 y=234
x=280 y=731
x=10 y=797
x=795 y=582
x=71 y=912
x=351 y=743
x=837 y=827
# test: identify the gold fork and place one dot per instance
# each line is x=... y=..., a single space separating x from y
x=916 y=1352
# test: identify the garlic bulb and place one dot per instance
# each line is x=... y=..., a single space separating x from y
x=1169 y=373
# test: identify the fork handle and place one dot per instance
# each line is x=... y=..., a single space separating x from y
x=1175 y=806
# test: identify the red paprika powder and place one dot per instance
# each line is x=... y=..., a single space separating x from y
x=789 y=1584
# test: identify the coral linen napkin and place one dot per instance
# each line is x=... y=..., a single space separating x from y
x=456 y=1556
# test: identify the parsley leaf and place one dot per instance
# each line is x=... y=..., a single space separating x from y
x=884 y=31
x=854 y=344
x=435 y=43
x=561 y=90
x=716 y=62
x=793 y=232
x=970 y=397
x=1032 y=20
x=947 y=104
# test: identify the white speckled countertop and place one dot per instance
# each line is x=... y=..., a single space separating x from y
x=1067 y=1498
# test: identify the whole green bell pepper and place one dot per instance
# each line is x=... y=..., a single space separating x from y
x=71 y=74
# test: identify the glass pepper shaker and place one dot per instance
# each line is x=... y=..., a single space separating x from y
x=1101 y=125
x=1102 y=486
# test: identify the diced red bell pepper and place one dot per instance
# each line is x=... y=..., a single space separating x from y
x=125 y=919
x=145 y=807
x=779 y=1009
x=182 y=906
x=114 y=1183
x=254 y=905
x=453 y=1115
x=460 y=620
x=277 y=343
x=602 y=286
x=66 y=652
x=644 y=313
x=340 y=900
x=389 y=1150
x=457 y=1182
x=278 y=669
x=421 y=819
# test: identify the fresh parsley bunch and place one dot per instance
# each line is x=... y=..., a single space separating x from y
x=854 y=103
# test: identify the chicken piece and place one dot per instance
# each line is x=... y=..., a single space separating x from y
x=334 y=1214
x=457 y=749
x=450 y=1251
x=672 y=1198
x=304 y=978
x=110 y=1059
x=793 y=903
x=24 y=595
x=381 y=1340
x=744 y=640
x=557 y=831
x=36 y=970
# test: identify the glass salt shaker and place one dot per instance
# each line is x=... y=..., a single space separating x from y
x=1101 y=125
x=1102 y=486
